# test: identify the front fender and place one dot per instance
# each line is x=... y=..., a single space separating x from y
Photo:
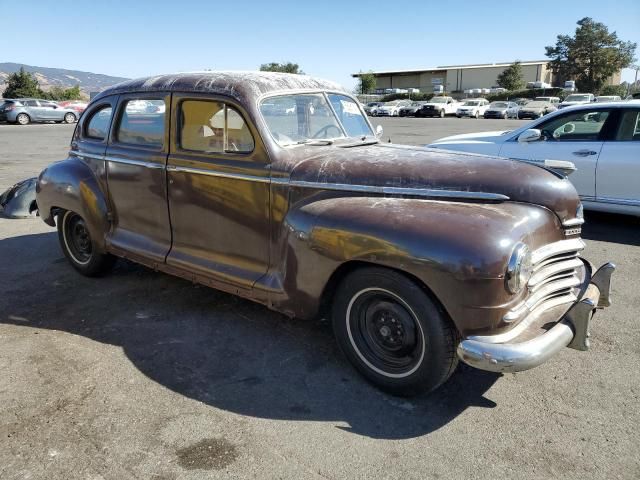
x=72 y=185
x=458 y=250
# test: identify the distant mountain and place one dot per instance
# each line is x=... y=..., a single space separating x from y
x=60 y=77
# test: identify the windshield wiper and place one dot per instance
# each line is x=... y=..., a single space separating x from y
x=315 y=141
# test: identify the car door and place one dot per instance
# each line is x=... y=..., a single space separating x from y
x=219 y=180
x=575 y=136
x=136 y=176
x=34 y=110
x=90 y=137
x=48 y=110
x=618 y=169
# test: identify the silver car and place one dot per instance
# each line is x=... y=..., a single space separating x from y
x=26 y=110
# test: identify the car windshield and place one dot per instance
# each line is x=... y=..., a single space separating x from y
x=438 y=100
x=471 y=103
x=577 y=98
x=499 y=105
x=537 y=104
x=306 y=118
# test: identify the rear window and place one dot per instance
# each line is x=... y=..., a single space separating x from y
x=98 y=125
x=142 y=123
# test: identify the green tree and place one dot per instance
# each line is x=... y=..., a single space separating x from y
x=620 y=90
x=511 y=77
x=591 y=56
x=21 y=84
x=366 y=82
x=281 y=67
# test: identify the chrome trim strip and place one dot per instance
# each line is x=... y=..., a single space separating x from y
x=74 y=153
x=212 y=173
x=137 y=163
x=345 y=187
x=556 y=248
x=618 y=201
x=573 y=222
x=419 y=192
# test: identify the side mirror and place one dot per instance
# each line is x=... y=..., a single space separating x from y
x=530 y=135
x=379 y=131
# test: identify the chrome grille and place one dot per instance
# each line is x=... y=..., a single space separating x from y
x=556 y=273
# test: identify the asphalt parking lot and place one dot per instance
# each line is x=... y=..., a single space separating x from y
x=142 y=375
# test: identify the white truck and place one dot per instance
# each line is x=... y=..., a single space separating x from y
x=439 y=106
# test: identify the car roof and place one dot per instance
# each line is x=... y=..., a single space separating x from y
x=240 y=85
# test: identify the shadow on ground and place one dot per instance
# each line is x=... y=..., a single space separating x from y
x=216 y=348
x=609 y=227
x=226 y=352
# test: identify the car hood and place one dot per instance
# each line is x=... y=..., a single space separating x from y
x=497 y=109
x=384 y=165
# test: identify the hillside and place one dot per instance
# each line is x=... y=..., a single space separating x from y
x=50 y=77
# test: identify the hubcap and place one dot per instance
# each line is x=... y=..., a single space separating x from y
x=77 y=238
x=385 y=333
x=23 y=119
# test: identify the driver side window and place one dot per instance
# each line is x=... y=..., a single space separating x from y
x=580 y=126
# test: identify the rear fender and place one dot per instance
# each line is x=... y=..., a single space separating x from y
x=72 y=185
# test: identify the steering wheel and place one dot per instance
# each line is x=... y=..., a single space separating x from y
x=322 y=133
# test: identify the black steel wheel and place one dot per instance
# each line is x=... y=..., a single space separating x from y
x=78 y=246
x=393 y=332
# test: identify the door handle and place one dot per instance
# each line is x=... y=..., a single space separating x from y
x=584 y=153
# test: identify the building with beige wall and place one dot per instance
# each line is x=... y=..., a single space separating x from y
x=457 y=78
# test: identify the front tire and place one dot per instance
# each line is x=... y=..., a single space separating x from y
x=393 y=333
x=477 y=115
x=441 y=113
x=79 y=248
x=23 y=119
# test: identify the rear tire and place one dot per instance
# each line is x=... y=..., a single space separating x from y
x=393 y=333
x=69 y=118
x=79 y=248
x=23 y=119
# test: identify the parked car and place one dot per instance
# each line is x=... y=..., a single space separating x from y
x=608 y=98
x=76 y=105
x=438 y=106
x=521 y=101
x=601 y=139
x=502 y=109
x=535 y=109
x=372 y=108
x=26 y=110
x=577 y=99
x=473 y=108
x=410 y=110
x=555 y=101
x=415 y=254
x=392 y=108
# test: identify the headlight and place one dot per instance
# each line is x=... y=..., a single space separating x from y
x=519 y=268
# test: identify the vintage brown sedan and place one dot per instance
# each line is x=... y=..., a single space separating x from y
x=274 y=187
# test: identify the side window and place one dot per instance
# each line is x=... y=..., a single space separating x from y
x=98 y=125
x=583 y=125
x=629 y=128
x=213 y=127
x=142 y=123
x=30 y=103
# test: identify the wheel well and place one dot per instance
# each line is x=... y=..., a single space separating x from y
x=348 y=267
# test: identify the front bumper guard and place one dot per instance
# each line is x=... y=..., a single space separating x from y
x=571 y=331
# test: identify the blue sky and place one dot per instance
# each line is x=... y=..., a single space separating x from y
x=329 y=39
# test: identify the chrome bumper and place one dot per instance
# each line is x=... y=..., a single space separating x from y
x=571 y=331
